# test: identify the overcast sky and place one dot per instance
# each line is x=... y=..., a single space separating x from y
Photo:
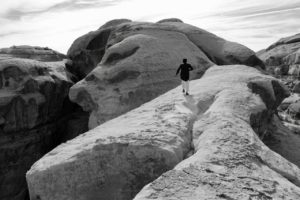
x=57 y=23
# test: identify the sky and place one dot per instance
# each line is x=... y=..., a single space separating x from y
x=57 y=23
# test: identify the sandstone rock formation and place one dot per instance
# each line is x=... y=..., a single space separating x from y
x=138 y=60
x=284 y=54
x=134 y=71
x=87 y=51
x=283 y=60
x=212 y=138
x=36 y=53
x=35 y=113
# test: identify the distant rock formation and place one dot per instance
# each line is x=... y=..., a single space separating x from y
x=35 y=53
x=87 y=51
x=170 y=20
x=136 y=61
x=283 y=55
x=208 y=144
x=35 y=112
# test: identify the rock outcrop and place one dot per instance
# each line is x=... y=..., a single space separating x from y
x=35 y=53
x=87 y=51
x=212 y=138
x=134 y=71
x=283 y=55
x=283 y=60
x=138 y=61
x=35 y=113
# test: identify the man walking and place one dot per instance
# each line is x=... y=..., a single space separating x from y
x=184 y=70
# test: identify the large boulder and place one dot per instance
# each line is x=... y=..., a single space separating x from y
x=139 y=60
x=212 y=138
x=34 y=113
x=134 y=71
x=87 y=51
x=288 y=101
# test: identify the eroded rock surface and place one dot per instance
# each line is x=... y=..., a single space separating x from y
x=136 y=61
x=33 y=106
x=211 y=134
x=230 y=161
x=87 y=51
x=134 y=71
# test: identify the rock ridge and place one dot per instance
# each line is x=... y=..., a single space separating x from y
x=203 y=145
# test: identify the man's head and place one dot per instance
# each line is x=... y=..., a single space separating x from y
x=184 y=60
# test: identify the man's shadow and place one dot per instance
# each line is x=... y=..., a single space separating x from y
x=191 y=103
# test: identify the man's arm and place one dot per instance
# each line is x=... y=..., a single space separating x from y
x=191 y=68
x=179 y=68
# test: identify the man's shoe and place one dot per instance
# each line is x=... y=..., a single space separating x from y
x=187 y=93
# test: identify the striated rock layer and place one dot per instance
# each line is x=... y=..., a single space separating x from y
x=136 y=61
x=34 y=113
x=211 y=138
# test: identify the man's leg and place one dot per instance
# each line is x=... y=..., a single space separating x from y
x=183 y=86
x=187 y=86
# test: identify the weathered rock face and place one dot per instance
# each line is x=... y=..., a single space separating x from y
x=213 y=129
x=139 y=60
x=33 y=119
x=134 y=71
x=284 y=54
x=35 y=53
x=87 y=51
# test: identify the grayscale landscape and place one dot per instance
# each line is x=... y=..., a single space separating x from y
x=144 y=100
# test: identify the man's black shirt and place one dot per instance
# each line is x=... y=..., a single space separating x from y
x=184 y=71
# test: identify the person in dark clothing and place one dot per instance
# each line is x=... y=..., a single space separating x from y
x=184 y=70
